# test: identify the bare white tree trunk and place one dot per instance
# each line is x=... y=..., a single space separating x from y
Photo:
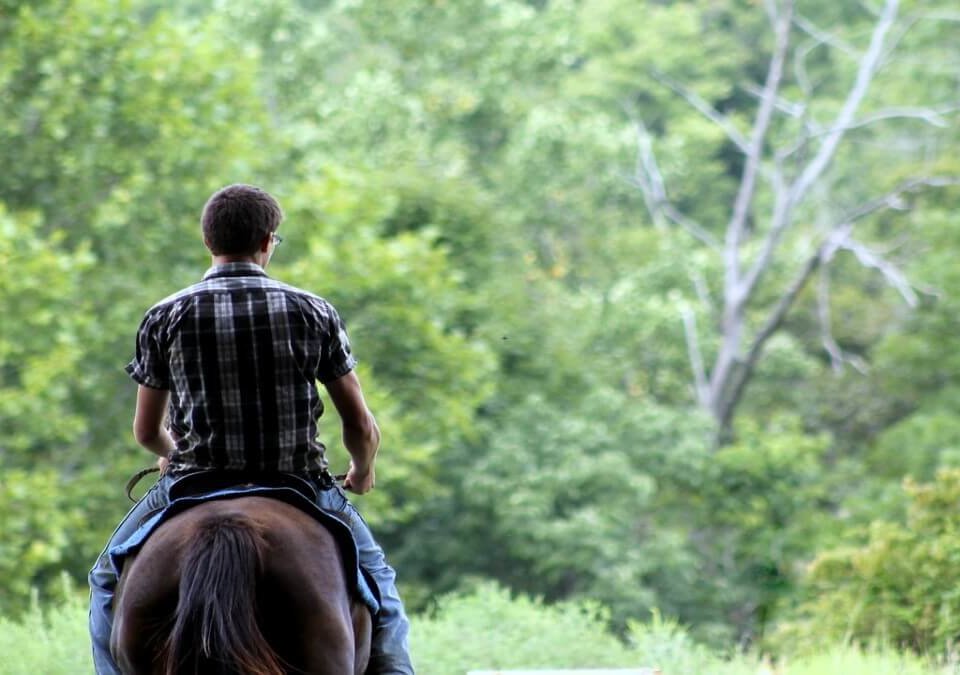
x=720 y=388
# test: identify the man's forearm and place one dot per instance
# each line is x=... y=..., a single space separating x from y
x=362 y=442
x=160 y=444
x=148 y=421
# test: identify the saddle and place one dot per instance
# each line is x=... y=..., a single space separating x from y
x=199 y=483
x=198 y=487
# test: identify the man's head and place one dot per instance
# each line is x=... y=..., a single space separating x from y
x=238 y=219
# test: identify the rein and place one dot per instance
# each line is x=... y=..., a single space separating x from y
x=132 y=483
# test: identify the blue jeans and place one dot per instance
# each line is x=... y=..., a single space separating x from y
x=389 y=652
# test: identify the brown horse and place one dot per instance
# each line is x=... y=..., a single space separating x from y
x=249 y=586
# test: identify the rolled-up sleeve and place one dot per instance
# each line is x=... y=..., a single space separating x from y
x=149 y=365
x=336 y=358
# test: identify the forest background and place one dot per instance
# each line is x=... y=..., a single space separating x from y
x=655 y=302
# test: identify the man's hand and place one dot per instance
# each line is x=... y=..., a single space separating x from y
x=163 y=464
x=359 y=482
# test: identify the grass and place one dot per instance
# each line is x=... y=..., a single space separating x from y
x=52 y=641
x=487 y=630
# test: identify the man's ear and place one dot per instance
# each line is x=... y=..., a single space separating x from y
x=265 y=243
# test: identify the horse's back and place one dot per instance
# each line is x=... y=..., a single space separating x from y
x=302 y=604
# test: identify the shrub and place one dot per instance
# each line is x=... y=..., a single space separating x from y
x=489 y=629
x=52 y=640
x=902 y=587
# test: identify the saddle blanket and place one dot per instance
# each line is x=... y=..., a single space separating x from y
x=341 y=532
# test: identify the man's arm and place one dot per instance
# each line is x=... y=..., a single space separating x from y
x=148 y=426
x=361 y=435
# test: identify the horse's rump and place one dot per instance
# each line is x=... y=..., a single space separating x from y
x=248 y=585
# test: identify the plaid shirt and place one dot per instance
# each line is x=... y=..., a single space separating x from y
x=240 y=354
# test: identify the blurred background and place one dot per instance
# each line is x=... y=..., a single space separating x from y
x=656 y=301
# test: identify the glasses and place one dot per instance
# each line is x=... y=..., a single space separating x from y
x=277 y=239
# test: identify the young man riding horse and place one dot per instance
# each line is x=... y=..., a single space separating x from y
x=232 y=362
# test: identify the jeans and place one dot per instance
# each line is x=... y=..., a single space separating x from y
x=389 y=653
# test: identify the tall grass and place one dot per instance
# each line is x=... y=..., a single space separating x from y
x=490 y=630
x=49 y=641
x=487 y=630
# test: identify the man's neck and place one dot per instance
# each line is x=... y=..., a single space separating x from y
x=224 y=259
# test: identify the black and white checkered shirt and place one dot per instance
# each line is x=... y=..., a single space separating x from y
x=240 y=354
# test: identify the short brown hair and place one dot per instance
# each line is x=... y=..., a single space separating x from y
x=237 y=218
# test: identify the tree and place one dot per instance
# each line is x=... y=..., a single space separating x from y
x=787 y=207
x=898 y=586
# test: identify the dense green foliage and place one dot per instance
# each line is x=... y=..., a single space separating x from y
x=460 y=180
x=900 y=584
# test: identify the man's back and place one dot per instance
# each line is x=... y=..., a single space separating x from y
x=240 y=354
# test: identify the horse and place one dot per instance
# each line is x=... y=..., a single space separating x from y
x=250 y=586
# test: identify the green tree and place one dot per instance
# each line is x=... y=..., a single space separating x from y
x=41 y=350
x=899 y=586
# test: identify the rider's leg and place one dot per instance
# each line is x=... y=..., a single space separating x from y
x=389 y=652
x=103 y=580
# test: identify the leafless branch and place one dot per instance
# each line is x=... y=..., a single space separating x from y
x=702 y=289
x=819 y=38
x=695 y=355
x=822 y=37
x=801 y=143
x=649 y=179
x=666 y=210
x=933 y=116
x=780 y=224
x=834 y=240
x=896 y=278
x=647 y=175
x=800 y=73
x=897 y=36
x=826 y=331
x=690 y=225
x=815 y=168
x=865 y=73
x=770 y=326
x=703 y=106
x=795 y=110
x=754 y=154
x=913 y=20
x=771 y=8
x=870 y=257
x=940 y=16
x=735 y=295
x=894 y=198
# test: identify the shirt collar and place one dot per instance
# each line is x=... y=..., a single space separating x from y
x=234 y=269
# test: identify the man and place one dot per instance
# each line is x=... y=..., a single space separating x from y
x=232 y=363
